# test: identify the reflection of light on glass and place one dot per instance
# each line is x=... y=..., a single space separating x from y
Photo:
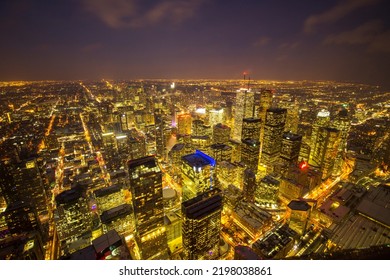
x=201 y=111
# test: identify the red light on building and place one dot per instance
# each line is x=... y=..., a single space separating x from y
x=303 y=165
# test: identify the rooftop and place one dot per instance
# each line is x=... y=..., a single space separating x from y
x=359 y=232
x=106 y=240
x=198 y=159
x=107 y=190
x=292 y=136
x=69 y=195
x=298 y=205
x=202 y=205
x=376 y=205
x=223 y=126
x=148 y=161
x=270 y=180
x=115 y=213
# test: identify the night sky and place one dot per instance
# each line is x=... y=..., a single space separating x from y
x=342 y=40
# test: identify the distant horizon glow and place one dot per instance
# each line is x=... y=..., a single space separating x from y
x=266 y=40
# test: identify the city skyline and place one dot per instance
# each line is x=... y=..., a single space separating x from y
x=154 y=169
x=128 y=39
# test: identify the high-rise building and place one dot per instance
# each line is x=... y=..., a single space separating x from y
x=146 y=188
x=21 y=217
x=250 y=150
x=109 y=197
x=249 y=104
x=299 y=181
x=110 y=151
x=22 y=181
x=325 y=150
x=215 y=116
x=322 y=120
x=229 y=173
x=176 y=153
x=251 y=128
x=197 y=173
x=173 y=225
x=267 y=191
x=122 y=145
x=243 y=109
x=292 y=119
x=72 y=219
x=184 y=123
x=273 y=135
x=265 y=104
x=342 y=122
x=249 y=186
x=289 y=154
x=236 y=152
x=201 y=225
x=221 y=152
x=221 y=134
x=119 y=218
x=201 y=143
x=304 y=153
x=199 y=128
x=298 y=214
x=137 y=146
x=160 y=136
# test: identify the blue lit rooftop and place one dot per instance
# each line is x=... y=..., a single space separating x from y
x=198 y=159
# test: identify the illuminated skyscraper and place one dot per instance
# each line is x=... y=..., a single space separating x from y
x=110 y=151
x=342 y=122
x=146 y=189
x=265 y=104
x=215 y=116
x=109 y=197
x=199 y=128
x=292 y=119
x=322 y=120
x=298 y=213
x=236 y=152
x=249 y=104
x=267 y=191
x=325 y=150
x=124 y=121
x=243 y=109
x=197 y=173
x=201 y=225
x=289 y=154
x=249 y=186
x=221 y=152
x=21 y=218
x=273 y=135
x=137 y=145
x=160 y=136
x=298 y=181
x=221 y=134
x=22 y=181
x=251 y=128
x=119 y=218
x=73 y=220
x=250 y=150
x=184 y=122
